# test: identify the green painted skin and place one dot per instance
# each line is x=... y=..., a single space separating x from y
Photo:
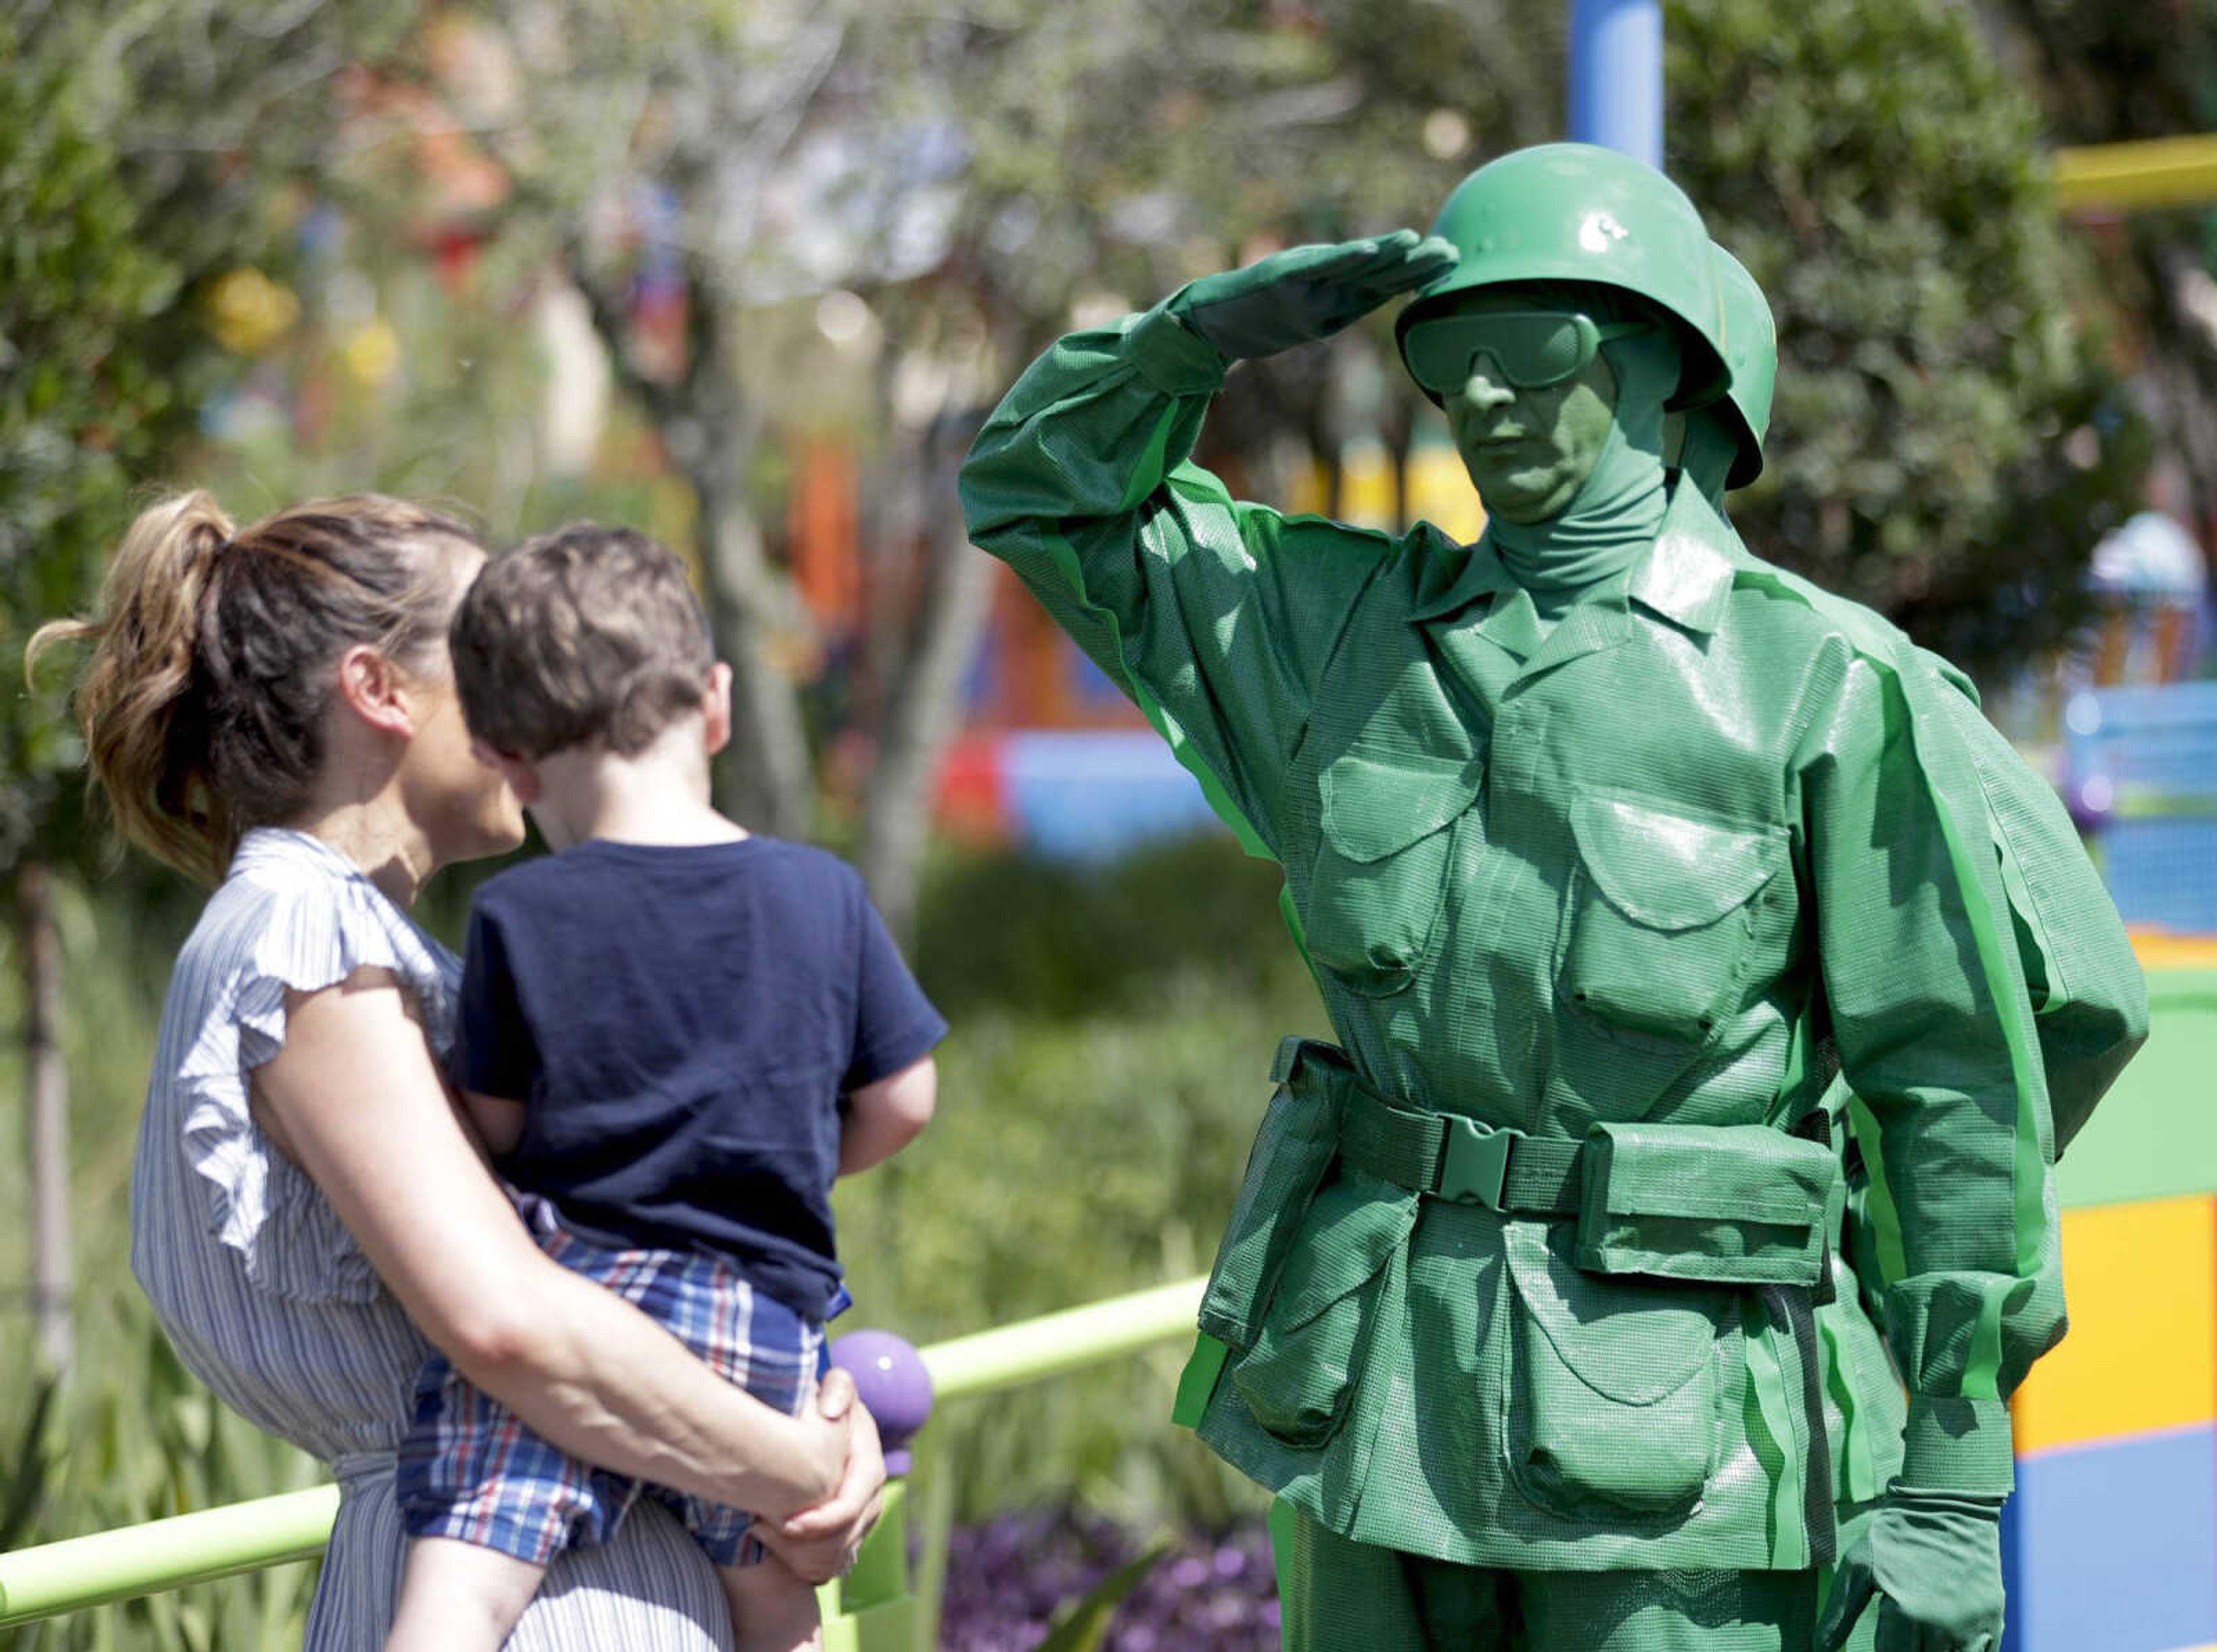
x=1530 y=451
x=1630 y=867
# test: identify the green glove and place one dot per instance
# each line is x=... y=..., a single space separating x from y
x=1934 y=1559
x=1306 y=293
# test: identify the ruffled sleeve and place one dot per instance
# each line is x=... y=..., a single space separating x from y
x=294 y=915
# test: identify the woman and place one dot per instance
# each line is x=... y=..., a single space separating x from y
x=273 y=707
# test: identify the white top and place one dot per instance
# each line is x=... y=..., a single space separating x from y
x=267 y=1297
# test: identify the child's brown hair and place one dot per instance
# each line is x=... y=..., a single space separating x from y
x=584 y=635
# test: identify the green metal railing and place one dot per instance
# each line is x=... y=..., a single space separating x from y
x=55 y=1578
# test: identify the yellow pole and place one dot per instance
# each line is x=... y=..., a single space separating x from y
x=58 y=1577
x=1076 y=1337
x=2156 y=172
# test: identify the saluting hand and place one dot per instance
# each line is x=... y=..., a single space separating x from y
x=1306 y=293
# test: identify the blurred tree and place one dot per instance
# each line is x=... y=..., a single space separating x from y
x=693 y=170
x=125 y=204
x=988 y=175
x=1874 y=163
x=2111 y=75
x=1880 y=174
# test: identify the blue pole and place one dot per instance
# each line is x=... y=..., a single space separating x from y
x=1616 y=76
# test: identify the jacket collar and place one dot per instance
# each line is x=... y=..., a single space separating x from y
x=1686 y=576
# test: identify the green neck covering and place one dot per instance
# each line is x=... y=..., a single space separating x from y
x=1614 y=515
x=1705 y=457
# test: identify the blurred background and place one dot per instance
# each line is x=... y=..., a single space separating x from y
x=749 y=274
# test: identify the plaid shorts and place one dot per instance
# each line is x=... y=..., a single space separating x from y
x=471 y=1470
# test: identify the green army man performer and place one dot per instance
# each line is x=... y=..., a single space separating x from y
x=1607 y=843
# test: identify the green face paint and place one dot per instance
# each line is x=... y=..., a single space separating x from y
x=1527 y=450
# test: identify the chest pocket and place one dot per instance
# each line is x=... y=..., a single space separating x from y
x=1661 y=915
x=1382 y=862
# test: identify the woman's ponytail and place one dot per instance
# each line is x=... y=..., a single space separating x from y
x=141 y=705
x=203 y=705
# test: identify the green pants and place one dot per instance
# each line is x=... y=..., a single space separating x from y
x=1339 y=1596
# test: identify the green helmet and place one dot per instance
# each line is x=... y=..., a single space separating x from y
x=1580 y=213
x=1752 y=351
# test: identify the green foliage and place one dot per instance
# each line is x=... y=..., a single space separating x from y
x=1880 y=176
x=146 y=1441
x=80 y=407
x=125 y=192
x=133 y=1437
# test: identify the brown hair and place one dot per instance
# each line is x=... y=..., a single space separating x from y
x=202 y=708
x=584 y=633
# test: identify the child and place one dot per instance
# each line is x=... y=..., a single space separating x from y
x=673 y=1036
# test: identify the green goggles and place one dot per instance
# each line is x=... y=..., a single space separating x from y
x=1532 y=348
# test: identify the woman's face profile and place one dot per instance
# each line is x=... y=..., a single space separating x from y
x=462 y=805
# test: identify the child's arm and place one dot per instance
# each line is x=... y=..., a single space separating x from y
x=885 y=1116
x=495 y=1050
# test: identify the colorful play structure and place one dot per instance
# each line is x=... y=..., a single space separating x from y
x=2111 y=1538
x=2110 y=1541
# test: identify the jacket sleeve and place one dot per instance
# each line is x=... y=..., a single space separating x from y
x=2088 y=997
x=1215 y=617
x=1928 y=1003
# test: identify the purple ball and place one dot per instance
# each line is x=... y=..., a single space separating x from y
x=891 y=1377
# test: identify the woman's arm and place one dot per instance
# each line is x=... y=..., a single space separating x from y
x=355 y=1099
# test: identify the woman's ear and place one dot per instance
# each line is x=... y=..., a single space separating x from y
x=376 y=691
x=716 y=707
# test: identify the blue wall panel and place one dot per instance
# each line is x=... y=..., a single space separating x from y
x=2112 y=1544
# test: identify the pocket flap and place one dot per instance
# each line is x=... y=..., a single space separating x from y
x=1667 y=870
x=1346 y=1237
x=1635 y=1343
x=1745 y=1172
x=1373 y=806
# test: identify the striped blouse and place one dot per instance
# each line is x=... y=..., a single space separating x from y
x=270 y=1301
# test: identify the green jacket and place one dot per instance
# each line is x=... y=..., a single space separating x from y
x=1641 y=869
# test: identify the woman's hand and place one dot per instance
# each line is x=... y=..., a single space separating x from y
x=820 y=1542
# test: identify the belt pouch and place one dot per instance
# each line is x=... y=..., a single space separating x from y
x=1297 y=1142
x=1726 y=1204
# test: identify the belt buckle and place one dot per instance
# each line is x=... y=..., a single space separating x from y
x=1474 y=1162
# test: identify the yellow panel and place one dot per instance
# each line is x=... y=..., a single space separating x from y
x=2159 y=950
x=1366 y=487
x=2141 y=1282
x=1439 y=492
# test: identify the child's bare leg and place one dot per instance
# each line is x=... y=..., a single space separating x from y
x=456 y=1597
x=772 y=1610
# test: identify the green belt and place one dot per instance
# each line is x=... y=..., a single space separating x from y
x=1446 y=1155
x=1452 y=1157
x=1636 y=1192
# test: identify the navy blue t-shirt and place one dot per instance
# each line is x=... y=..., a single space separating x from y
x=681 y=1022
